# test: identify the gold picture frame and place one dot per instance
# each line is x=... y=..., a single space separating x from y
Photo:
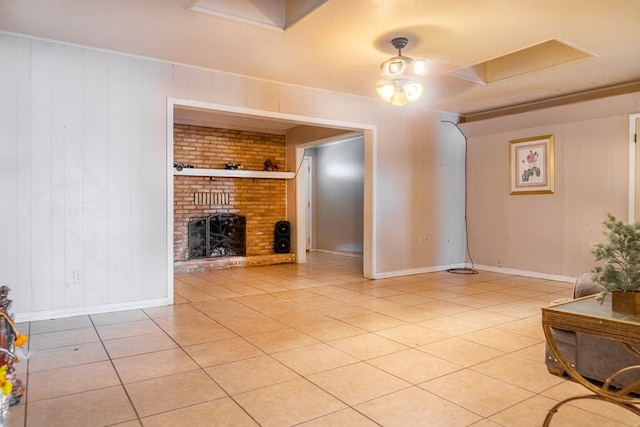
x=532 y=165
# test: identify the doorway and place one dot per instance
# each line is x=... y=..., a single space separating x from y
x=298 y=187
x=634 y=169
x=335 y=191
x=308 y=165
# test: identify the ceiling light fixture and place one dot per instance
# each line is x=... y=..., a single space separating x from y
x=401 y=80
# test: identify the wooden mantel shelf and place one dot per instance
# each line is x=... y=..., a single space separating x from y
x=233 y=173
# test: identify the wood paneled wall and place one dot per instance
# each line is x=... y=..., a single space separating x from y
x=83 y=148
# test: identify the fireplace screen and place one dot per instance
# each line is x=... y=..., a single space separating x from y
x=217 y=236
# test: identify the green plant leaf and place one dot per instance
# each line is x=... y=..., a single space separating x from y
x=620 y=256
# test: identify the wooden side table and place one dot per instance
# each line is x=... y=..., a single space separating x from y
x=590 y=316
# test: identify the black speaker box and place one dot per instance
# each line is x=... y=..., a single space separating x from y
x=282 y=237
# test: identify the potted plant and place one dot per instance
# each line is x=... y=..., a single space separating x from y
x=620 y=272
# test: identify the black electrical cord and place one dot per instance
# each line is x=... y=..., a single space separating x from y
x=299 y=165
x=464 y=270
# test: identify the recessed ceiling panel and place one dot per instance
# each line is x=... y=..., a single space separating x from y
x=275 y=14
x=537 y=57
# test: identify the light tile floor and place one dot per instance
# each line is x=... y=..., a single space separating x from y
x=308 y=345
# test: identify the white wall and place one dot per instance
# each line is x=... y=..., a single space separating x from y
x=82 y=144
x=84 y=177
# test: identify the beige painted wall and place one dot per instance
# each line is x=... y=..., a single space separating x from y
x=549 y=233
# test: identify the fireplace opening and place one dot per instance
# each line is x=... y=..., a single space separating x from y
x=219 y=235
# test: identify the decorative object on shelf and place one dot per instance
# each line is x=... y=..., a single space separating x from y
x=402 y=77
x=180 y=166
x=620 y=273
x=11 y=388
x=270 y=166
x=532 y=165
x=233 y=166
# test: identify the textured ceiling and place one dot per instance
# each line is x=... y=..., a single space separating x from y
x=340 y=45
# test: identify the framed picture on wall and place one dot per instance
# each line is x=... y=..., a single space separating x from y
x=531 y=165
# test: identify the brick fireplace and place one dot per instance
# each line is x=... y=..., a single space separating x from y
x=261 y=201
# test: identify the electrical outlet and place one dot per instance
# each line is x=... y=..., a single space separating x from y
x=77 y=276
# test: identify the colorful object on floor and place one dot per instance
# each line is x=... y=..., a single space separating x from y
x=11 y=387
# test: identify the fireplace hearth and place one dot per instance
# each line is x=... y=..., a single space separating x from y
x=220 y=235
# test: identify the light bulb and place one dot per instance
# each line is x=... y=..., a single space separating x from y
x=413 y=91
x=395 y=67
x=385 y=91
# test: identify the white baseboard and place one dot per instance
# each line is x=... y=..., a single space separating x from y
x=412 y=271
x=526 y=273
x=96 y=309
x=514 y=272
x=348 y=254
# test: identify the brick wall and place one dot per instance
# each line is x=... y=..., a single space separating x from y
x=261 y=201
